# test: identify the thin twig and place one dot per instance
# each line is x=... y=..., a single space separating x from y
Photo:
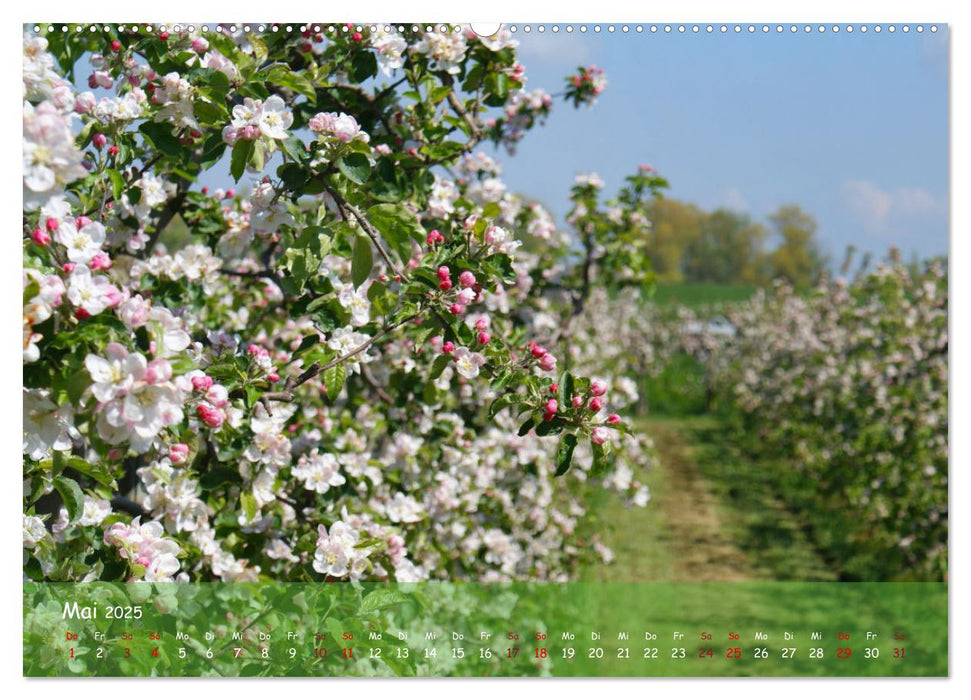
x=315 y=369
x=345 y=208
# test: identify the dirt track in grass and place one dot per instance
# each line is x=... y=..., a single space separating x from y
x=712 y=517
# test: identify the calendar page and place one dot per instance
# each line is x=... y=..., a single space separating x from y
x=456 y=350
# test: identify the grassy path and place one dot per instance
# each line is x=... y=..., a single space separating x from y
x=713 y=516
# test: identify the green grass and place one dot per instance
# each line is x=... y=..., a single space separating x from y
x=715 y=515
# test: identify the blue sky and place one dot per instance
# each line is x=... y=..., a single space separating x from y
x=853 y=128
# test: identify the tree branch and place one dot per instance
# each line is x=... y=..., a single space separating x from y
x=346 y=208
x=315 y=369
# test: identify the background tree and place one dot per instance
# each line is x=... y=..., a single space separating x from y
x=798 y=258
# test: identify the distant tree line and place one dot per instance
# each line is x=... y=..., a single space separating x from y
x=689 y=244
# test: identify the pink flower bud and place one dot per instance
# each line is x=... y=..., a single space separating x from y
x=112 y=151
x=481 y=324
x=445 y=284
x=598 y=388
x=613 y=419
x=467 y=279
x=537 y=350
x=52 y=224
x=550 y=410
x=447 y=347
x=82 y=221
x=577 y=401
x=213 y=417
x=230 y=193
x=40 y=237
x=273 y=377
x=200 y=45
x=547 y=363
x=484 y=337
x=456 y=308
x=466 y=296
x=100 y=261
x=179 y=453
x=99 y=141
x=596 y=404
x=202 y=382
x=444 y=273
x=69 y=267
x=599 y=435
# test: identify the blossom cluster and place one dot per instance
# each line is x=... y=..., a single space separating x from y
x=338 y=369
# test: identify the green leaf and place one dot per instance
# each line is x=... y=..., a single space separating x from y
x=526 y=426
x=72 y=496
x=439 y=365
x=567 y=389
x=503 y=401
x=334 y=380
x=364 y=66
x=242 y=152
x=355 y=167
x=398 y=225
x=382 y=598
x=208 y=113
x=294 y=148
x=564 y=455
x=437 y=94
x=497 y=89
x=161 y=137
x=248 y=501
x=117 y=183
x=76 y=384
x=550 y=427
x=601 y=457
x=384 y=302
x=281 y=75
x=294 y=176
x=212 y=150
x=491 y=210
x=98 y=472
x=362 y=261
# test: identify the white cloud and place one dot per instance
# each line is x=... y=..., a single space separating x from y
x=881 y=211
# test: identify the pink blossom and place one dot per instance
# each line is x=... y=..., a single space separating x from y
x=547 y=363
x=179 y=453
x=598 y=388
x=201 y=382
x=211 y=416
x=40 y=237
x=599 y=435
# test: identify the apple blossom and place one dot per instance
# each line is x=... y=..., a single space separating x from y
x=467 y=362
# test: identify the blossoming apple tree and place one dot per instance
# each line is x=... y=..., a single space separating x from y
x=359 y=365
